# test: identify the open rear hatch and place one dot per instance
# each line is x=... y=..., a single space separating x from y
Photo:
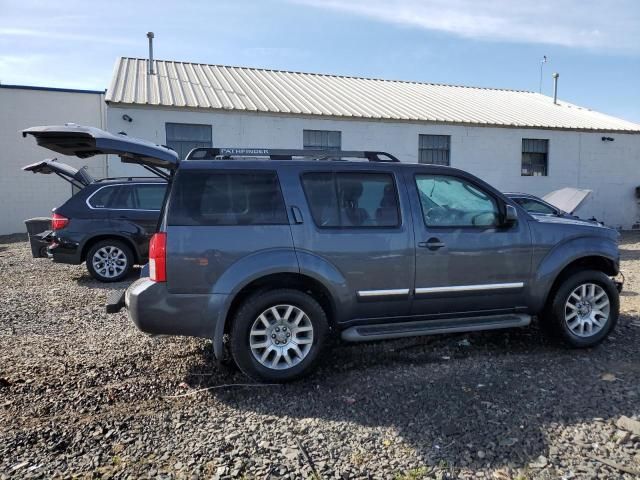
x=84 y=142
x=79 y=178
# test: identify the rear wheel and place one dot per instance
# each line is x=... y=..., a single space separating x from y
x=277 y=335
x=584 y=308
x=109 y=260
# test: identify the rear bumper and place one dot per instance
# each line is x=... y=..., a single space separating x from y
x=156 y=311
x=64 y=251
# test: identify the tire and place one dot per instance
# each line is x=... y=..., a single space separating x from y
x=572 y=314
x=120 y=266
x=256 y=320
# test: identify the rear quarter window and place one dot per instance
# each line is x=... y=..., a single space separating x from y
x=103 y=197
x=203 y=197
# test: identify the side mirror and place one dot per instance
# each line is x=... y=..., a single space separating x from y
x=511 y=215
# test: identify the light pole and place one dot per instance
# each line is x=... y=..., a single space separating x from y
x=542 y=62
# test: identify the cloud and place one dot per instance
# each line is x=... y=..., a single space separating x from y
x=590 y=24
x=52 y=35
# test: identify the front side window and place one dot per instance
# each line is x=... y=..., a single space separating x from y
x=103 y=197
x=216 y=199
x=535 y=157
x=454 y=202
x=321 y=140
x=184 y=137
x=534 y=206
x=434 y=149
x=352 y=199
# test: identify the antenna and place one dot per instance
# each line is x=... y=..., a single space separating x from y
x=542 y=62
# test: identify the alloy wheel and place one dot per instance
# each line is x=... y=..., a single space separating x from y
x=587 y=310
x=281 y=337
x=109 y=261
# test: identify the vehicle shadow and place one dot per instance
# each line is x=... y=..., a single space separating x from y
x=86 y=280
x=456 y=400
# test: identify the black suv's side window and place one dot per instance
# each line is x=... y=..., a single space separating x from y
x=150 y=197
x=352 y=199
x=139 y=196
x=103 y=197
x=202 y=197
x=533 y=206
x=454 y=202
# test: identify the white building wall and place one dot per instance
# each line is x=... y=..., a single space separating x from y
x=576 y=159
x=25 y=195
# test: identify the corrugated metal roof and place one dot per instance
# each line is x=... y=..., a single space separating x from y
x=195 y=85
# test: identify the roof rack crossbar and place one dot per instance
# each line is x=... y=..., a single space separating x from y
x=207 y=153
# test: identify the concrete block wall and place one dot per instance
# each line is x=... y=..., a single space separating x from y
x=25 y=195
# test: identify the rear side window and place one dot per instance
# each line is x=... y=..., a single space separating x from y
x=139 y=197
x=103 y=197
x=352 y=199
x=219 y=198
x=150 y=197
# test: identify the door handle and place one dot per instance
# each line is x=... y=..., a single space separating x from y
x=432 y=244
x=297 y=214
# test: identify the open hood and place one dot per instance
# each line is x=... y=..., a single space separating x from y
x=84 y=142
x=567 y=199
x=77 y=177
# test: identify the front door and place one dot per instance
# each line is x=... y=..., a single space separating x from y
x=350 y=222
x=466 y=261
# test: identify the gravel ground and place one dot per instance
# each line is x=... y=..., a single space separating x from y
x=83 y=394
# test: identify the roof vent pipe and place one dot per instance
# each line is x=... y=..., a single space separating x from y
x=555 y=88
x=150 y=37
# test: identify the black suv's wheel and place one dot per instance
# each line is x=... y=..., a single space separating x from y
x=584 y=308
x=277 y=335
x=109 y=260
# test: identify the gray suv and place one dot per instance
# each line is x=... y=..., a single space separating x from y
x=268 y=252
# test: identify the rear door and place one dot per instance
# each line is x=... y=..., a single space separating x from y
x=466 y=261
x=350 y=218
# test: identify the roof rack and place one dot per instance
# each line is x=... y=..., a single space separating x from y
x=205 y=153
x=128 y=178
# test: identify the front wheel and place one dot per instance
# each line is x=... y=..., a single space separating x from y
x=584 y=308
x=277 y=335
x=109 y=260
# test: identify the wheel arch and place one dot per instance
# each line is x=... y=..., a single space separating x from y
x=600 y=263
x=274 y=281
x=107 y=236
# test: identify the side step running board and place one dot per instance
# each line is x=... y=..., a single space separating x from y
x=385 y=331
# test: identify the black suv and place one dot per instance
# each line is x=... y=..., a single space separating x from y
x=107 y=223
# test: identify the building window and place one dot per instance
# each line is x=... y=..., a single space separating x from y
x=535 y=157
x=184 y=137
x=321 y=140
x=434 y=149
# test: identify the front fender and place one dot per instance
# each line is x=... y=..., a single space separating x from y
x=561 y=256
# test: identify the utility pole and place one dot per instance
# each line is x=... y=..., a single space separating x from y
x=542 y=62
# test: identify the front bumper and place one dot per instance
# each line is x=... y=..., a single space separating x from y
x=156 y=311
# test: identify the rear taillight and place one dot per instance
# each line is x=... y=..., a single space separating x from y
x=158 y=257
x=58 y=221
